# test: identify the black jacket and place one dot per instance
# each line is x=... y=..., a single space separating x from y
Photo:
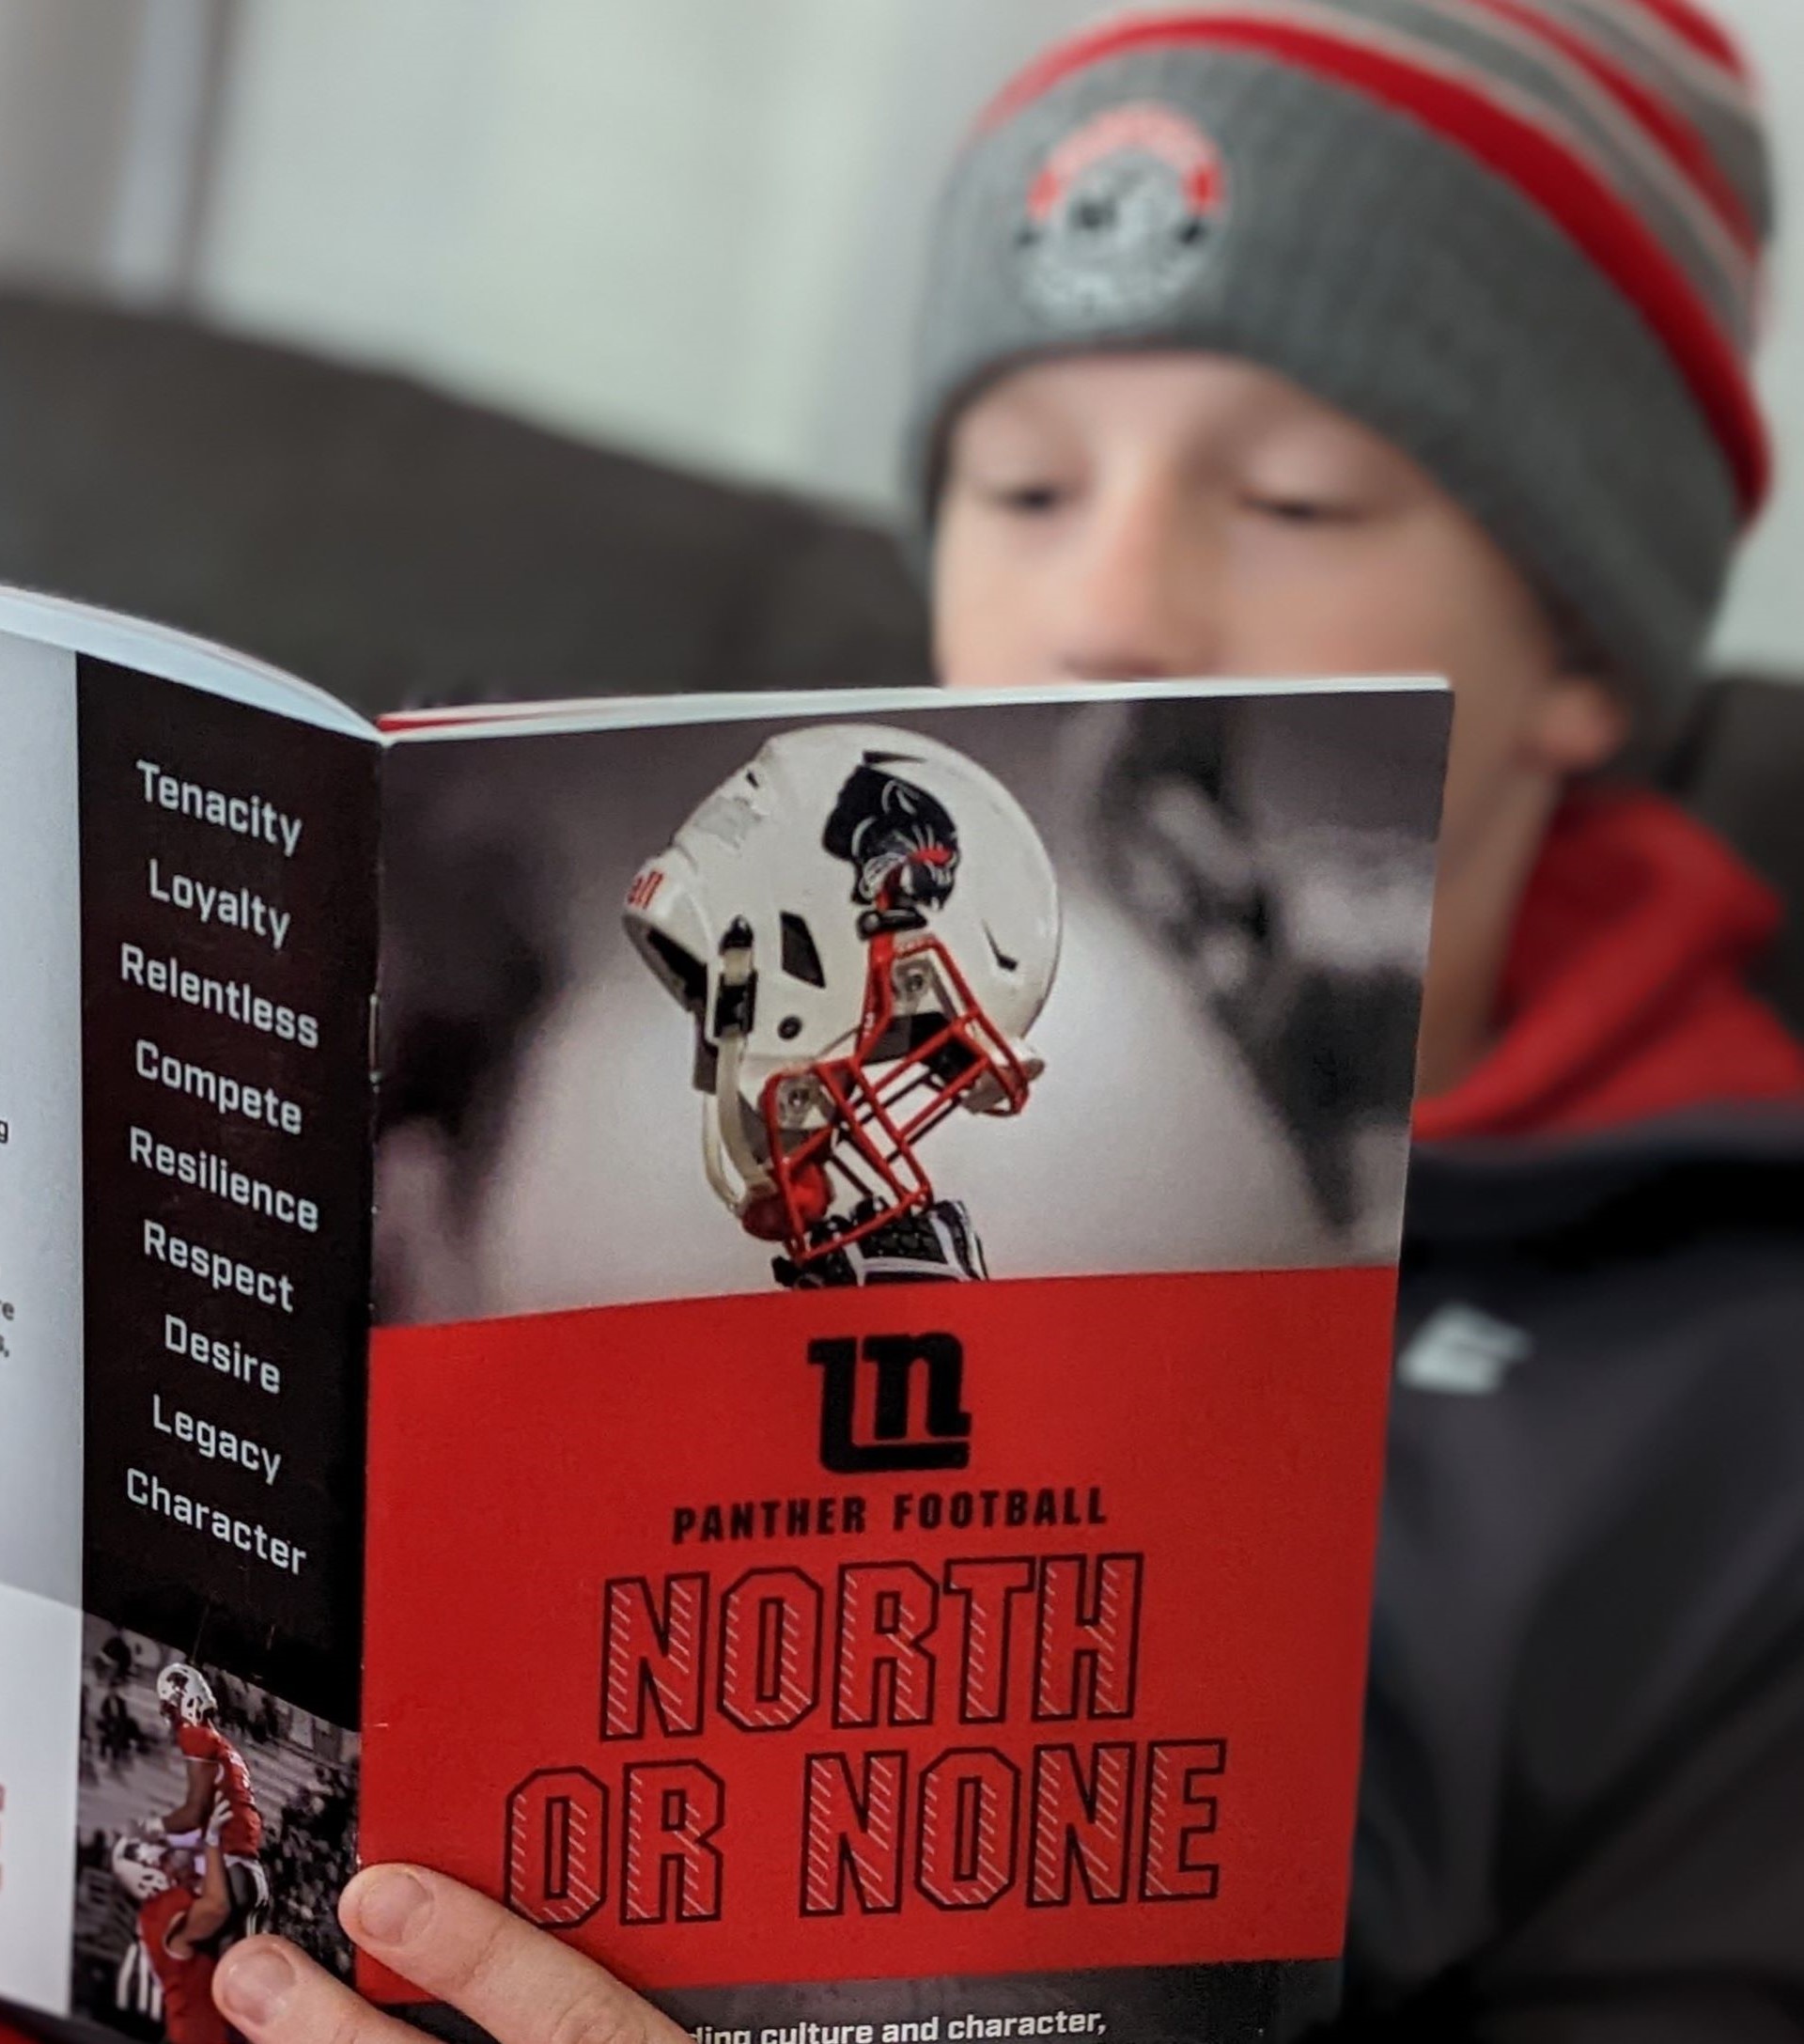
x=1582 y=1806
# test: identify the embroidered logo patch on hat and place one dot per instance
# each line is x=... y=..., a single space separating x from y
x=1121 y=216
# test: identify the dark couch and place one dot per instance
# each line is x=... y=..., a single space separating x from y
x=397 y=546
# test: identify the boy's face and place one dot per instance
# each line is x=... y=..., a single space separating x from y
x=1109 y=517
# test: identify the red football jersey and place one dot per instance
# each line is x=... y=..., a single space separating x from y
x=189 y=2016
x=242 y=1829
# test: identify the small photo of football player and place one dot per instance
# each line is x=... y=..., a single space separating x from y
x=174 y=1914
x=210 y=1809
x=217 y=1819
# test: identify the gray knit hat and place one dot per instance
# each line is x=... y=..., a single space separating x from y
x=1520 y=239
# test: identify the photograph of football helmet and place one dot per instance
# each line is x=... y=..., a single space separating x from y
x=186 y=1692
x=141 y=1866
x=863 y=925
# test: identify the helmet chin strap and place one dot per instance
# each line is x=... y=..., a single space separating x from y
x=724 y=1138
x=732 y=1169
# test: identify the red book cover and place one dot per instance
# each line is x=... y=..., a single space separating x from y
x=909 y=1567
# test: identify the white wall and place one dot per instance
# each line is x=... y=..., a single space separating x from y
x=65 y=86
x=694 y=225
x=104 y=113
x=1766 y=617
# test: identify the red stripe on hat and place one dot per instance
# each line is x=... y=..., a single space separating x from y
x=1657 y=117
x=1551 y=176
x=1704 y=34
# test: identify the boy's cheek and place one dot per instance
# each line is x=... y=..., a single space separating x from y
x=990 y=618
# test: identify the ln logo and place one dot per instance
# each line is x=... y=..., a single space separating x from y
x=944 y=1442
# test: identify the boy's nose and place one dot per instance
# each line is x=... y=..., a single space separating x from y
x=1139 y=602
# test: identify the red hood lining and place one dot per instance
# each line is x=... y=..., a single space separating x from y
x=1624 y=995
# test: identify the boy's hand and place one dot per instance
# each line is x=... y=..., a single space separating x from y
x=521 y=1986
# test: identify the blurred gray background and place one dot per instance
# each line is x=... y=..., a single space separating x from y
x=686 y=229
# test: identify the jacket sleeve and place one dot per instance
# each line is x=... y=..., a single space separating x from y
x=1582 y=1810
x=1683 y=1921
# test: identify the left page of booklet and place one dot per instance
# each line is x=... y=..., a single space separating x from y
x=187 y=968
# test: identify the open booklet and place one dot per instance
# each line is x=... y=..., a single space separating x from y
x=760 y=1324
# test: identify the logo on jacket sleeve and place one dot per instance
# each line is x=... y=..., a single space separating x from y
x=1121 y=216
x=1463 y=1353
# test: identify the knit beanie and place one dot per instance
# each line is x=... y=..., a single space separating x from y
x=1521 y=239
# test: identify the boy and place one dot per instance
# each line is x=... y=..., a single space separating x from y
x=1306 y=336
x=1369 y=336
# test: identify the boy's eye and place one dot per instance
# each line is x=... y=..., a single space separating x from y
x=1300 y=510
x=1029 y=500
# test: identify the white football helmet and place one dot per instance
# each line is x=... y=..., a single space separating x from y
x=864 y=924
x=141 y=1866
x=187 y=1691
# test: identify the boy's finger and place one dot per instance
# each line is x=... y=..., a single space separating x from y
x=521 y=1985
x=277 y=1995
